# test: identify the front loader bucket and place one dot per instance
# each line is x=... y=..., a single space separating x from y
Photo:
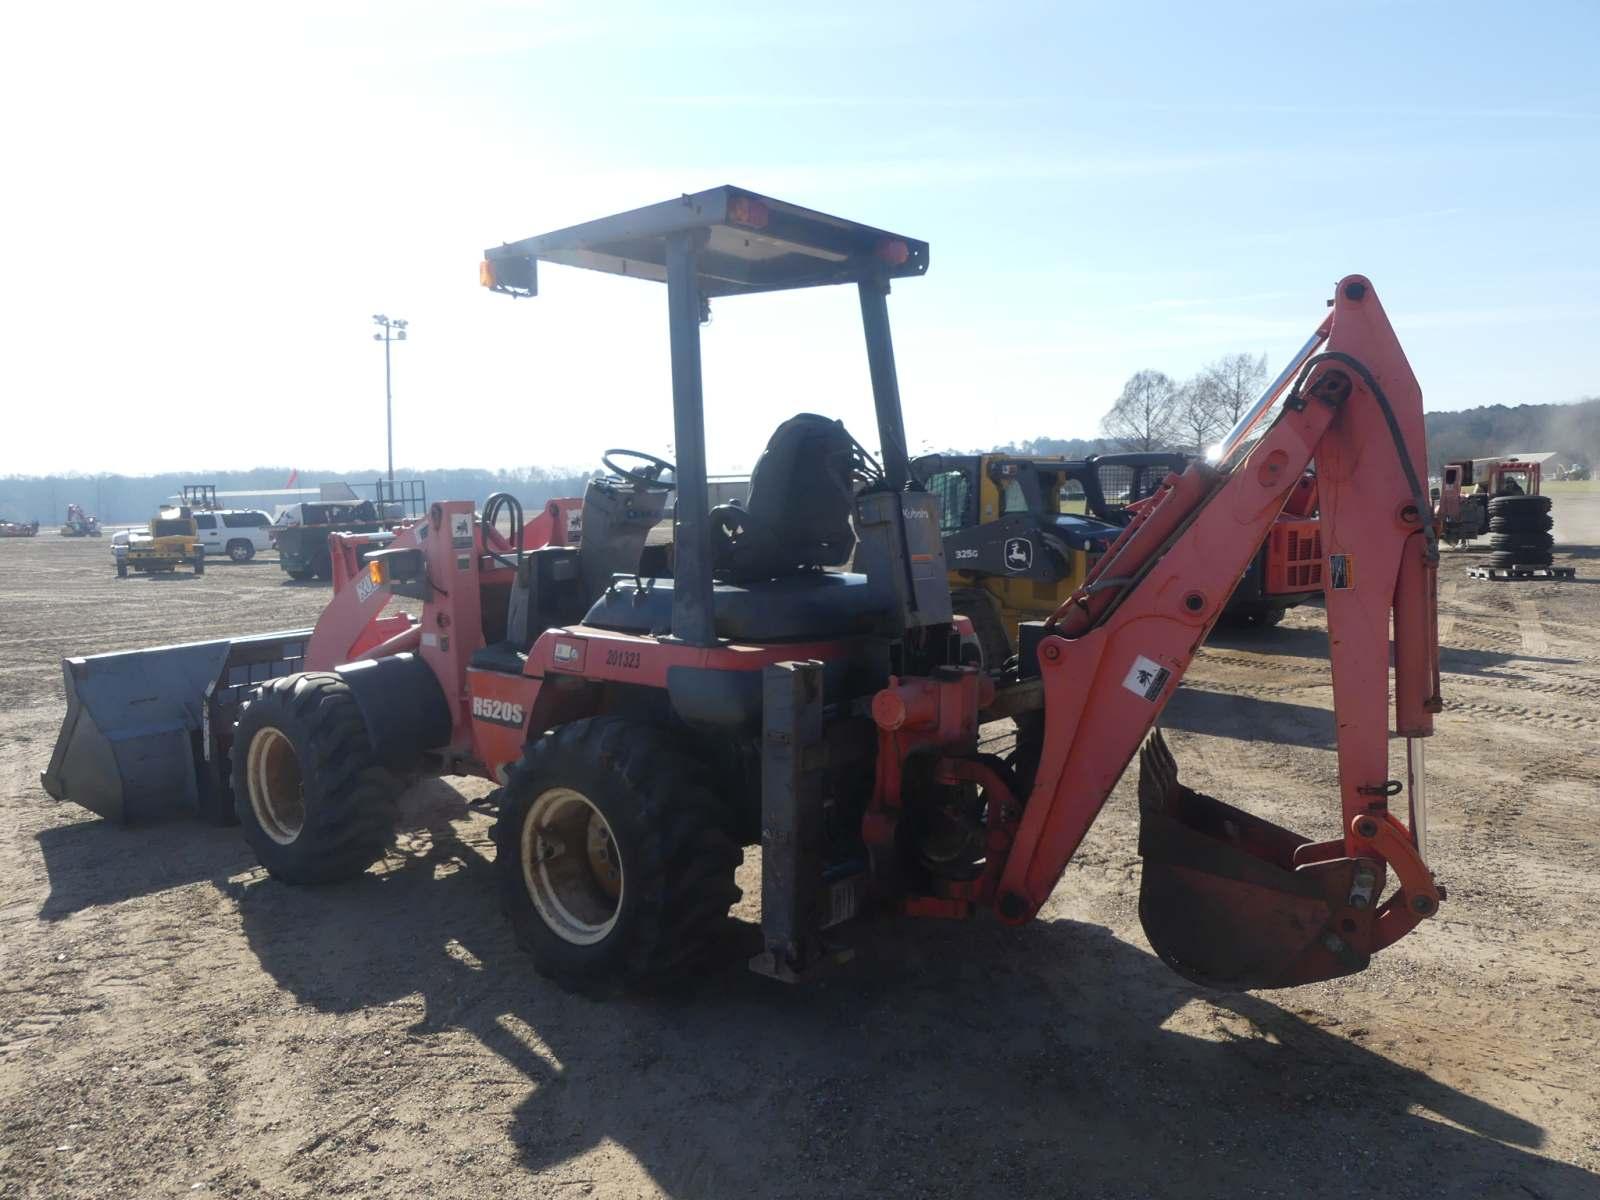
x=147 y=731
x=1234 y=902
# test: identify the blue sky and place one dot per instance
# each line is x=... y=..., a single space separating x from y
x=206 y=203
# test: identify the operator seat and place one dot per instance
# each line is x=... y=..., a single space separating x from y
x=768 y=556
x=797 y=518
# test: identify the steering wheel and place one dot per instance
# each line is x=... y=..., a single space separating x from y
x=647 y=478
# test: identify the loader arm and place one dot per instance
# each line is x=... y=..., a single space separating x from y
x=1229 y=899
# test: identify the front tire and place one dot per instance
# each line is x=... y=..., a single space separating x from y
x=311 y=798
x=614 y=856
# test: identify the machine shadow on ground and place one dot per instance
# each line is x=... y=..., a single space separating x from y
x=1312 y=643
x=1295 y=641
x=1480 y=662
x=1249 y=718
x=946 y=1059
x=97 y=862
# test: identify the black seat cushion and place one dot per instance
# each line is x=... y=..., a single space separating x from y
x=793 y=608
x=798 y=513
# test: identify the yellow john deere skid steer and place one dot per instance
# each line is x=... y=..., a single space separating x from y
x=1021 y=531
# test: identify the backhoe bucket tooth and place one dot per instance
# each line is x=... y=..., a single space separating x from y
x=146 y=730
x=1221 y=899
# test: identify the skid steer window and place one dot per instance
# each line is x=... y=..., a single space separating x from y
x=1118 y=483
x=1012 y=498
x=953 y=492
x=1070 y=498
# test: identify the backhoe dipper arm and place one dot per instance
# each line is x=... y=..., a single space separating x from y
x=1114 y=654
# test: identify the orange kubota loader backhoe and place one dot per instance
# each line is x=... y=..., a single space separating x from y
x=648 y=713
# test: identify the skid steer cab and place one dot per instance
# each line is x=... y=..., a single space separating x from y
x=652 y=698
x=1021 y=533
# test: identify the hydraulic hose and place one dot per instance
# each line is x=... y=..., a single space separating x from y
x=1418 y=496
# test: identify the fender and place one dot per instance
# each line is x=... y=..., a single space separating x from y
x=403 y=705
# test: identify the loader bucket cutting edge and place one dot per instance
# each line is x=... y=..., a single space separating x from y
x=133 y=745
x=1221 y=900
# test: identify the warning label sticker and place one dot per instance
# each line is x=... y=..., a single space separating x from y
x=1146 y=678
x=1341 y=571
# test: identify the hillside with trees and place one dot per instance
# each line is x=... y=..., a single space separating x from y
x=1155 y=412
x=1571 y=430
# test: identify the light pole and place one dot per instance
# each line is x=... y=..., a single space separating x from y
x=394 y=330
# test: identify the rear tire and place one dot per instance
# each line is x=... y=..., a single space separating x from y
x=241 y=551
x=299 y=574
x=311 y=799
x=614 y=856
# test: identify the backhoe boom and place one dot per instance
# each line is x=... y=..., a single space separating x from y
x=1113 y=655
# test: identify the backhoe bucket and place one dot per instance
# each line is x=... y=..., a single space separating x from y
x=147 y=731
x=1234 y=902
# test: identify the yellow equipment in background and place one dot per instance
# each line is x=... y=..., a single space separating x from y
x=1020 y=532
x=173 y=541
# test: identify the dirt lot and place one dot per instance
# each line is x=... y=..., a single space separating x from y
x=172 y=1022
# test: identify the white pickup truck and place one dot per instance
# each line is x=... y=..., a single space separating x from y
x=236 y=532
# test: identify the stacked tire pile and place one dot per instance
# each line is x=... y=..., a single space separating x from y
x=1519 y=531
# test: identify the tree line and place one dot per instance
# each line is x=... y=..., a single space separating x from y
x=1155 y=412
x=132 y=499
x=1152 y=413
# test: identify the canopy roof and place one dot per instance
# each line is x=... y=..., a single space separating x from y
x=752 y=243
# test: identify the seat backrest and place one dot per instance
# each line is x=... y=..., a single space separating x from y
x=798 y=515
x=547 y=591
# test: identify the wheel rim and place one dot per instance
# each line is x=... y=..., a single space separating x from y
x=240 y=552
x=276 y=795
x=571 y=867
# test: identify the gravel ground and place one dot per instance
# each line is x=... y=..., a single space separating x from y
x=172 y=1022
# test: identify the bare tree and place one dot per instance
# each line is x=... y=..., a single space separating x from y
x=1144 y=416
x=1197 y=414
x=1234 y=384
